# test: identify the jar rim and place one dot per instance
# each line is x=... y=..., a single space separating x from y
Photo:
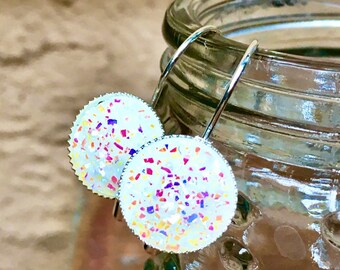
x=190 y=21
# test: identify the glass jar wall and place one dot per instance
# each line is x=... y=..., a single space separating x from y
x=280 y=131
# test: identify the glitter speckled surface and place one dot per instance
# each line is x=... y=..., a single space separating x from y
x=178 y=194
x=105 y=134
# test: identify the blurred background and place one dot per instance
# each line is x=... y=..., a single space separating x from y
x=55 y=56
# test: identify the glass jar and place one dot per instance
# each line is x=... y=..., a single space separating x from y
x=280 y=131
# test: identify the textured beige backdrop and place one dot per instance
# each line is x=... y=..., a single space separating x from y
x=54 y=57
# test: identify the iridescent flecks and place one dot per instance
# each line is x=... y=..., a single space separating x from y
x=178 y=194
x=105 y=134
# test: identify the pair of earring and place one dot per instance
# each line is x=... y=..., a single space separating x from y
x=177 y=193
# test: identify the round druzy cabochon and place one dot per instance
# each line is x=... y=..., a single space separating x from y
x=105 y=134
x=178 y=194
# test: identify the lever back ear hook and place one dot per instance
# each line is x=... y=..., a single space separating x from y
x=230 y=86
x=179 y=52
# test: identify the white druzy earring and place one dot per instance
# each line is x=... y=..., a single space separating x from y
x=177 y=193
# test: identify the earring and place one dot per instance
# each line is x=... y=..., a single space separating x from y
x=105 y=134
x=178 y=193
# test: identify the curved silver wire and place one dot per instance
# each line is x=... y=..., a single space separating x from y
x=230 y=86
x=181 y=49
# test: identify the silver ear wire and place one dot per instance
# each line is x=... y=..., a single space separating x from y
x=230 y=86
x=179 y=52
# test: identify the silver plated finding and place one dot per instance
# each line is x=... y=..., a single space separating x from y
x=230 y=86
x=181 y=49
